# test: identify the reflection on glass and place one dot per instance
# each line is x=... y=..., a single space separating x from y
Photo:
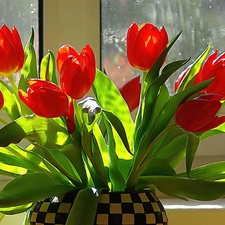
x=201 y=22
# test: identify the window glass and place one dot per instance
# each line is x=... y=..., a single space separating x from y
x=201 y=22
x=24 y=14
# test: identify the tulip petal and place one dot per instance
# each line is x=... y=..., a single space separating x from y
x=189 y=114
x=131 y=93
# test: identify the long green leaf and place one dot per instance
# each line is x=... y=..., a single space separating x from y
x=154 y=71
x=154 y=95
x=15 y=209
x=84 y=208
x=109 y=98
x=62 y=163
x=116 y=177
x=197 y=189
x=34 y=128
x=168 y=111
x=47 y=68
x=116 y=123
x=11 y=102
x=192 y=147
x=213 y=171
x=30 y=188
x=189 y=78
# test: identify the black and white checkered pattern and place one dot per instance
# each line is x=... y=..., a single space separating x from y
x=113 y=209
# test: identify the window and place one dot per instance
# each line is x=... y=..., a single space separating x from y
x=201 y=23
x=77 y=23
x=24 y=14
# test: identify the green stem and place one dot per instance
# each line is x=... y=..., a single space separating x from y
x=140 y=167
x=3 y=121
x=12 y=82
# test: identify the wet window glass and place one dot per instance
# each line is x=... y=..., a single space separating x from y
x=201 y=23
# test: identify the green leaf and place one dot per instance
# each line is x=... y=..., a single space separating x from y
x=1 y=216
x=153 y=73
x=116 y=177
x=84 y=208
x=172 y=151
x=218 y=130
x=47 y=68
x=191 y=149
x=188 y=81
x=212 y=172
x=95 y=162
x=159 y=167
x=110 y=98
x=29 y=188
x=169 y=109
x=15 y=209
x=116 y=123
x=11 y=102
x=29 y=69
x=75 y=156
x=30 y=40
x=62 y=163
x=198 y=189
x=155 y=93
x=20 y=162
x=37 y=129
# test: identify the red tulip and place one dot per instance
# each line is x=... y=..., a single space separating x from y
x=145 y=44
x=45 y=98
x=200 y=114
x=180 y=78
x=131 y=93
x=212 y=68
x=77 y=71
x=11 y=51
x=1 y=100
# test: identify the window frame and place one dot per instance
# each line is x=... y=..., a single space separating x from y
x=56 y=31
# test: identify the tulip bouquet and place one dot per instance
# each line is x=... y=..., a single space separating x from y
x=58 y=136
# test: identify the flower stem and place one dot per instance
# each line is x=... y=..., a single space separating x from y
x=3 y=121
x=12 y=82
x=140 y=167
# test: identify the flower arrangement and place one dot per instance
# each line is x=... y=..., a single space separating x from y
x=82 y=140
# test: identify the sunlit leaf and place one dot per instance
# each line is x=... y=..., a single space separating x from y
x=34 y=128
x=109 y=98
x=198 y=189
x=48 y=68
x=85 y=203
x=30 y=188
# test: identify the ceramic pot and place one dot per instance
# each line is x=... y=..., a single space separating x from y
x=113 y=209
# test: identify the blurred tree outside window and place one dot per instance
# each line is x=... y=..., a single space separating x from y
x=202 y=22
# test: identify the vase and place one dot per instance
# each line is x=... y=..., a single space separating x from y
x=115 y=208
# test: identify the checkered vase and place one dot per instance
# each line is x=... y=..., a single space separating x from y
x=113 y=209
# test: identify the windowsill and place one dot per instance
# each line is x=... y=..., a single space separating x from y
x=181 y=212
